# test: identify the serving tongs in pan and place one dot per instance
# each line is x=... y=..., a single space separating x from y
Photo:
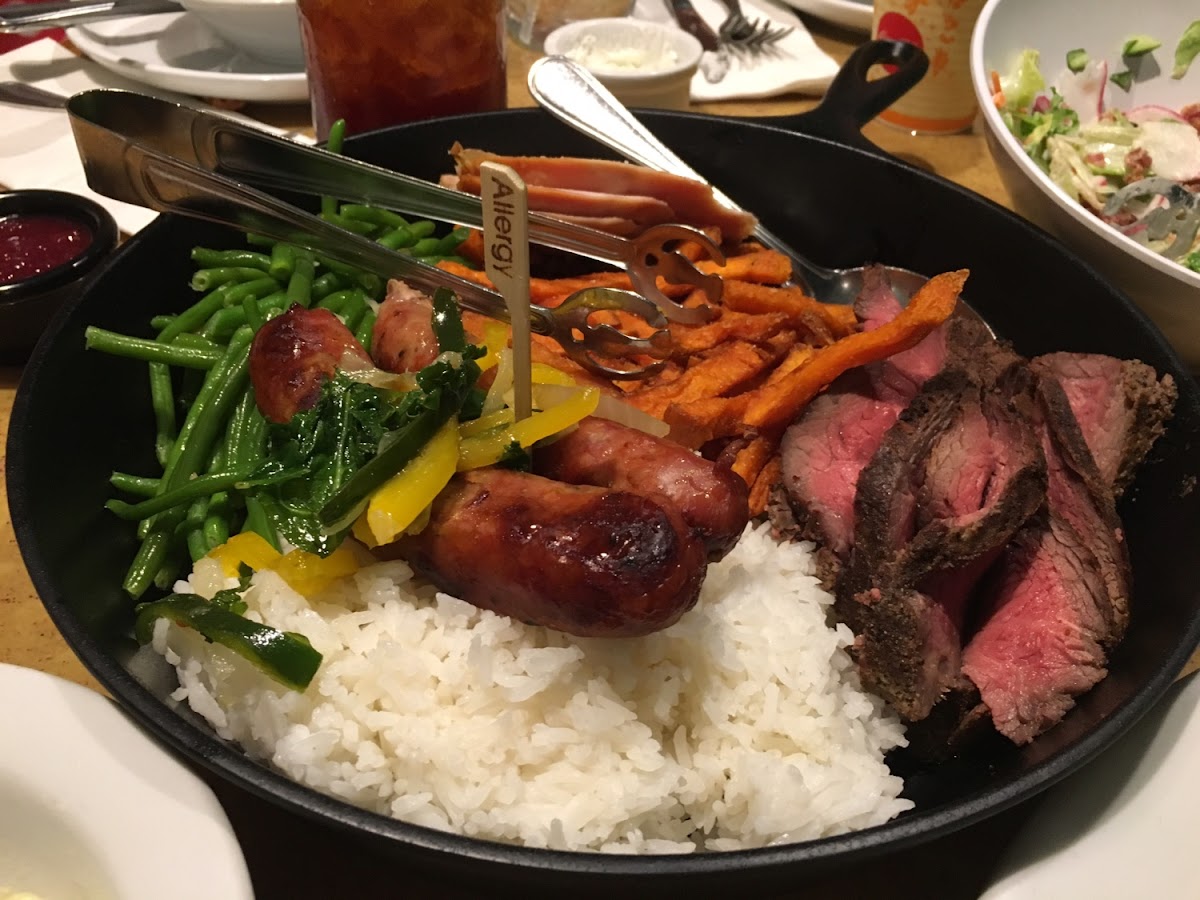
x=224 y=146
x=154 y=164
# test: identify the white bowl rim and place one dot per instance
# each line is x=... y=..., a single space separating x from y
x=148 y=819
x=980 y=79
x=689 y=58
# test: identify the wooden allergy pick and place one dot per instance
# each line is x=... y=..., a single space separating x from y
x=506 y=257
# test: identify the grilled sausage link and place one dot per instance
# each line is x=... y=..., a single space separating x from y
x=713 y=500
x=293 y=355
x=403 y=339
x=579 y=559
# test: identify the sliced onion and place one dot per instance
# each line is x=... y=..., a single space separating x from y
x=1152 y=112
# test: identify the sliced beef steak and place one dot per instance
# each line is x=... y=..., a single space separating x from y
x=951 y=483
x=824 y=451
x=1063 y=589
x=1121 y=406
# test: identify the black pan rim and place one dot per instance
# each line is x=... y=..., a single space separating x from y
x=229 y=762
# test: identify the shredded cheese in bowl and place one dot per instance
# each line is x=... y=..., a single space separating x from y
x=652 y=57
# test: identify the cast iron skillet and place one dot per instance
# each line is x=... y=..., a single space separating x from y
x=79 y=415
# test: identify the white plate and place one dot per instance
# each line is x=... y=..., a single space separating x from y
x=1123 y=827
x=92 y=809
x=178 y=52
x=854 y=14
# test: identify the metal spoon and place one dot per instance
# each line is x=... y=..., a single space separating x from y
x=29 y=95
x=569 y=91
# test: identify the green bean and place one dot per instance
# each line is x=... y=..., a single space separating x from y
x=434 y=260
x=196 y=314
x=216 y=531
x=150 y=351
x=208 y=258
x=423 y=228
x=207 y=279
x=158 y=323
x=398 y=239
x=196 y=341
x=369 y=281
x=426 y=247
x=355 y=225
x=225 y=322
x=137 y=485
x=373 y=214
x=365 y=329
x=283 y=261
x=337 y=134
x=261 y=287
x=151 y=556
x=325 y=284
x=450 y=242
x=254 y=318
x=162 y=401
x=259 y=240
x=196 y=544
x=221 y=390
x=201 y=486
x=299 y=288
x=353 y=311
x=338 y=301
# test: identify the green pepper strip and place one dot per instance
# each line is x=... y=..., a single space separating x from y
x=282 y=655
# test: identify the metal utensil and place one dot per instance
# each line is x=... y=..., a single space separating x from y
x=714 y=62
x=119 y=165
x=216 y=142
x=569 y=92
x=752 y=35
x=22 y=94
x=18 y=17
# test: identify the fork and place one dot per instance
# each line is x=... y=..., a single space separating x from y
x=753 y=35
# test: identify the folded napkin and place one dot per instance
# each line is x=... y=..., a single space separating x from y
x=38 y=149
x=793 y=64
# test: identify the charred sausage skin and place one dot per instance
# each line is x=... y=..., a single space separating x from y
x=713 y=500
x=293 y=355
x=583 y=560
x=403 y=339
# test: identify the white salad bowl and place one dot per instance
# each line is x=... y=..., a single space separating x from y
x=265 y=29
x=93 y=809
x=1167 y=291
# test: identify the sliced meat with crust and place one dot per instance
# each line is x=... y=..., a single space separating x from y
x=1121 y=406
x=951 y=483
x=1063 y=589
x=691 y=201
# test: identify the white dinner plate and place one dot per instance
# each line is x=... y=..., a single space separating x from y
x=178 y=52
x=93 y=809
x=1122 y=827
x=855 y=14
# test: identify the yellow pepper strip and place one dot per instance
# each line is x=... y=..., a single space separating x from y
x=307 y=573
x=402 y=498
x=488 y=448
x=249 y=548
x=544 y=374
x=485 y=423
x=495 y=339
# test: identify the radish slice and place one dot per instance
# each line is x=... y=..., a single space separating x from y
x=1083 y=91
x=1153 y=113
x=1174 y=149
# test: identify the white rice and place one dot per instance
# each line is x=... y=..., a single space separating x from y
x=744 y=724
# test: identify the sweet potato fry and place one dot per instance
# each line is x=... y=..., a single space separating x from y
x=771 y=406
x=760 y=267
x=723 y=370
x=751 y=458
x=760 y=490
x=838 y=320
x=729 y=326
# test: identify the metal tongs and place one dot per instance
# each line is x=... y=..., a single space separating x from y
x=221 y=145
x=164 y=156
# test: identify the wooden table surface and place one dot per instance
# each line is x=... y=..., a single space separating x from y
x=293 y=858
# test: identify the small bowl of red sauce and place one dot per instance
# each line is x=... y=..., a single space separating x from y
x=51 y=242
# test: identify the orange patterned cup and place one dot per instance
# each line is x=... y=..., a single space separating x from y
x=944 y=101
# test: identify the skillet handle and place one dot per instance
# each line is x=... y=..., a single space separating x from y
x=852 y=100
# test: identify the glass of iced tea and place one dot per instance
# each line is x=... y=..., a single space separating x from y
x=382 y=62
